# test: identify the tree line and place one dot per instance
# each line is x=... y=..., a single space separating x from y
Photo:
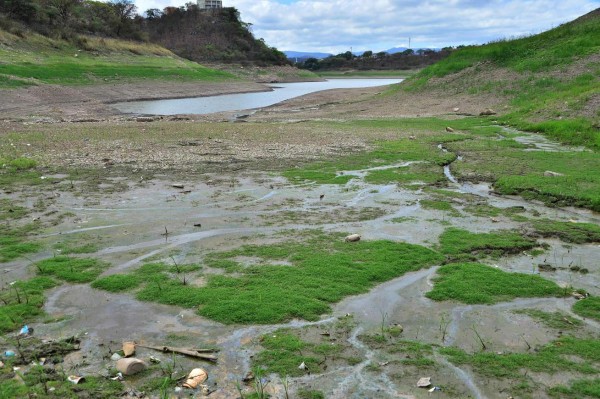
x=188 y=31
x=407 y=59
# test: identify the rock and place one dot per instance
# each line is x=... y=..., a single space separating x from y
x=178 y=185
x=115 y=356
x=249 y=377
x=455 y=109
x=550 y=173
x=302 y=366
x=130 y=365
x=128 y=348
x=195 y=378
x=412 y=137
x=352 y=238
x=449 y=129
x=487 y=112
x=544 y=267
x=424 y=382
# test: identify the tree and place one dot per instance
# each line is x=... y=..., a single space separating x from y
x=153 y=13
x=367 y=54
x=125 y=11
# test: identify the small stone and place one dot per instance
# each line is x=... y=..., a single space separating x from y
x=352 y=238
x=550 y=173
x=449 y=129
x=424 y=382
x=455 y=109
x=487 y=112
x=115 y=356
x=178 y=185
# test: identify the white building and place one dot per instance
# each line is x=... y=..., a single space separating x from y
x=206 y=4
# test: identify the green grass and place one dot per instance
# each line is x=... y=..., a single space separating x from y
x=68 y=249
x=322 y=270
x=577 y=233
x=557 y=320
x=440 y=206
x=14 y=244
x=474 y=283
x=284 y=351
x=588 y=307
x=36 y=60
x=564 y=355
x=458 y=244
x=71 y=270
x=22 y=302
x=367 y=74
x=578 y=389
x=541 y=86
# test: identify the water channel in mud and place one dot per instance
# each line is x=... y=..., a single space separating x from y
x=244 y=101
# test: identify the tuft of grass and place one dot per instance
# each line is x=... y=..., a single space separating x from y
x=578 y=389
x=577 y=233
x=440 y=206
x=557 y=320
x=117 y=282
x=474 y=283
x=13 y=242
x=562 y=355
x=457 y=243
x=72 y=270
x=22 y=302
x=588 y=307
x=284 y=351
x=66 y=249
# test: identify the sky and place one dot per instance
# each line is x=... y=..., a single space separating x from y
x=336 y=26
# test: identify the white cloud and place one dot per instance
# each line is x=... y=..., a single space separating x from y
x=336 y=25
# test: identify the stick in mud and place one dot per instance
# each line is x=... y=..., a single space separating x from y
x=197 y=353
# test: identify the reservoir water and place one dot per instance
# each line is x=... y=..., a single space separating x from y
x=243 y=101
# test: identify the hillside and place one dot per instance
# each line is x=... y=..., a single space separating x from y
x=210 y=35
x=32 y=59
x=547 y=82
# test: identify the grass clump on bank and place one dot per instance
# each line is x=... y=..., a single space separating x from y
x=14 y=244
x=456 y=243
x=577 y=233
x=557 y=320
x=71 y=270
x=588 y=307
x=566 y=354
x=577 y=389
x=288 y=280
x=474 y=283
x=22 y=302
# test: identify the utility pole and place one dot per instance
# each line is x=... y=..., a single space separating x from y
x=409 y=42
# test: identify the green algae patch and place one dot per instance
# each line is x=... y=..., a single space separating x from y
x=285 y=281
x=474 y=283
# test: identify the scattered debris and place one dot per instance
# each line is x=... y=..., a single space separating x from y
x=203 y=354
x=130 y=365
x=118 y=377
x=302 y=366
x=382 y=364
x=154 y=360
x=195 y=378
x=449 y=129
x=578 y=295
x=75 y=379
x=128 y=348
x=197 y=224
x=321 y=197
x=455 y=109
x=435 y=389
x=550 y=173
x=9 y=353
x=494 y=220
x=424 y=382
x=25 y=330
x=178 y=185
x=115 y=356
x=412 y=137
x=352 y=238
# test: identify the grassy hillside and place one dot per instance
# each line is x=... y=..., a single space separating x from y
x=549 y=81
x=31 y=59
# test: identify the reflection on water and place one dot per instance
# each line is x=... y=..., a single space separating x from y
x=242 y=101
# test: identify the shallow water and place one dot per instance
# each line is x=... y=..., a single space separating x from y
x=244 y=101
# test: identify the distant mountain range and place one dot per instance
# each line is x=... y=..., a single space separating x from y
x=307 y=54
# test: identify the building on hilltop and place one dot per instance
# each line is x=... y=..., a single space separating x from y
x=208 y=4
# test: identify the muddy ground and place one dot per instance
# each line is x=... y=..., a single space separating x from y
x=127 y=214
